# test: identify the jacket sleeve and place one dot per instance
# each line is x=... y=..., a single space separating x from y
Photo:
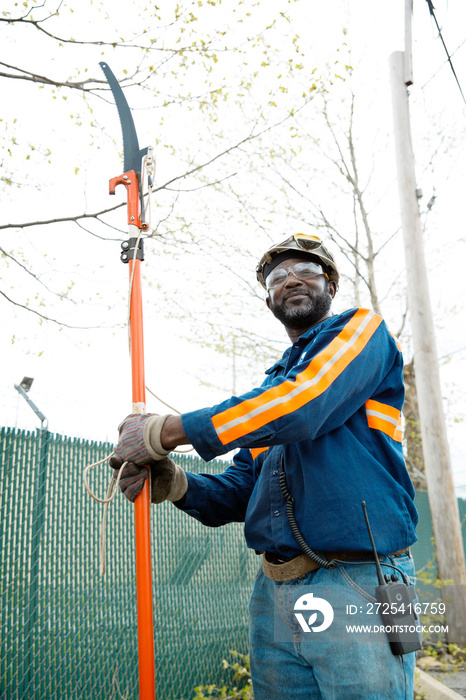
x=217 y=499
x=335 y=375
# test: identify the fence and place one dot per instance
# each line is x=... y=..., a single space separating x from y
x=69 y=633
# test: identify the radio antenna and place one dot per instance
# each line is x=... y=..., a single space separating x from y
x=377 y=563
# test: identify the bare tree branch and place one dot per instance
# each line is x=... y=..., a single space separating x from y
x=63 y=219
x=362 y=208
x=54 y=320
x=36 y=277
x=36 y=78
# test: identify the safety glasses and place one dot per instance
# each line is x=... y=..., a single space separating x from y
x=302 y=271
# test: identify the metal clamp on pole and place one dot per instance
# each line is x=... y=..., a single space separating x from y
x=128 y=247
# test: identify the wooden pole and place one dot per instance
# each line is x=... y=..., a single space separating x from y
x=442 y=498
x=408 y=55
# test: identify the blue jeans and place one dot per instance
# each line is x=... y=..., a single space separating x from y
x=289 y=662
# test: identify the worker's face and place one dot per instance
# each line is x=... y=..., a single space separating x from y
x=300 y=304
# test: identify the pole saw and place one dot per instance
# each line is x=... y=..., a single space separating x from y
x=133 y=254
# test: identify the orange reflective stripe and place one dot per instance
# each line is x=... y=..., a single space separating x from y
x=256 y=451
x=252 y=414
x=382 y=416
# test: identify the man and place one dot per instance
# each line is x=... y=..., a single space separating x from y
x=320 y=436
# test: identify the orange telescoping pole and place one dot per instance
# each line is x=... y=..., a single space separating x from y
x=133 y=254
x=142 y=503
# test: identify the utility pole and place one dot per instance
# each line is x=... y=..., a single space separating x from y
x=443 y=502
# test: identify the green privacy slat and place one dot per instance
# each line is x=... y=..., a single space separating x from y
x=68 y=632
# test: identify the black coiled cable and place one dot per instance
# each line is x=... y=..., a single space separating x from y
x=316 y=558
x=303 y=544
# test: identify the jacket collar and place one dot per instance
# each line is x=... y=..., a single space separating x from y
x=302 y=340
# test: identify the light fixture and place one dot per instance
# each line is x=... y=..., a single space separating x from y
x=22 y=389
x=26 y=383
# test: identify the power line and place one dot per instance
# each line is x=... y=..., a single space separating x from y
x=431 y=10
x=443 y=64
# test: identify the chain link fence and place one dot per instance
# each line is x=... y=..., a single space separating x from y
x=68 y=632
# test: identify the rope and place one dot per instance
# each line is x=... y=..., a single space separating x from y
x=148 y=164
x=111 y=494
x=172 y=408
x=131 y=289
x=112 y=490
x=109 y=498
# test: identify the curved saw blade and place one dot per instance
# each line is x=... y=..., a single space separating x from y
x=133 y=155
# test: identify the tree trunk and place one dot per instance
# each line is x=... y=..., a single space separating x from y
x=412 y=432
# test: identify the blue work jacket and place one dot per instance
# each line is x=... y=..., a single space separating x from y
x=329 y=413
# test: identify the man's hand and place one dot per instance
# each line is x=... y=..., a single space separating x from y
x=168 y=480
x=172 y=433
x=135 y=444
x=132 y=478
x=149 y=437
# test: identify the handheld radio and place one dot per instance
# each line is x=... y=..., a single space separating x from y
x=396 y=606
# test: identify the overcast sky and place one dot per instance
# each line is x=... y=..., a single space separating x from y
x=82 y=378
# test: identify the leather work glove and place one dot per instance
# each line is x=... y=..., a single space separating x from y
x=168 y=480
x=139 y=440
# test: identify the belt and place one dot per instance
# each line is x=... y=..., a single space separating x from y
x=301 y=565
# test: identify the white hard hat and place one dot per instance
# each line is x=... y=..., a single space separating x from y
x=304 y=245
